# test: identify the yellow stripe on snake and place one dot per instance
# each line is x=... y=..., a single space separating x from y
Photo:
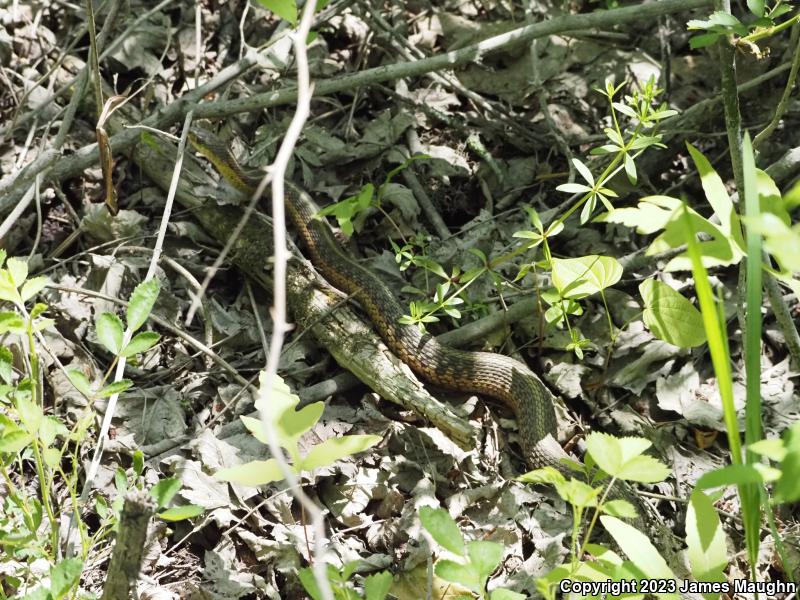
x=495 y=375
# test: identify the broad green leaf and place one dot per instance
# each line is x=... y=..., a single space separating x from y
x=780 y=241
x=454 y=572
x=164 y=491
x=306 y=577
x=670 y=316
x=637 y=546
x=715 y=251
x=294 y=423
x=141 y=342
x=730 y=475
x=32 y=287
x=253 y=473
x=110 y=331
x=117 y=387
x=580 y=277
x=548 y=475
x=717 y=197
x=620 y=508
x=623 y=458
x=705 y=540
x=80 y=381
x=443 y=529
x=484 y=556
x=64 y=576
x=377 y=585
x=756 y=7
x=333 y=449
x=181 y=513
x=141 y=303
x=277 y=398
x=8 y=291
x=13 y=441
x=50 y=428
x=285 y=9
x=30 y=414
x=51 y=457
x=772 y=448
x=11 y=322
x=578 y=493
x=18 y=270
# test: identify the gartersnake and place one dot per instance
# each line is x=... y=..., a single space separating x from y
x=495 y=375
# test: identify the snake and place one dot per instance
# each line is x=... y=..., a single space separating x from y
x=494 y=375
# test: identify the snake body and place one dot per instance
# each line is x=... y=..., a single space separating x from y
x=495 y=375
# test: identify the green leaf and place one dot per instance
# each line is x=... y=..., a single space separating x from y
x=578 y=493
x=141 y=342
x=30 y=413
x=772 y=448
x=306 y=577
x=454 y=572
x=623 y=458
x=51 y=457
x=13 y=441
x=787 y=489
x=756 y=7
x=620 y=508
x=64 y=576
x=377 y=586
x=285 y=9
x=32 y=287
x=651 y=215
x=581 y=277
x=670 y=316
x=181 y=513
x=17 y=270
x=333 y=449
x=8 y=290
x=573 y=188
x=164 y=491
x=637 y=546
x=730 y=475
x=6 y=365
x=138 y=462
x=110 y=331
x=80 y=381
x=484 y=556
x=705 y=539
x=50 y=428
x=292 y=424
x=12 y=322
x=253 y=473
x=584 y=171
x=117 y=387
x=141 y=303
x=443 y=529
x=547 y=475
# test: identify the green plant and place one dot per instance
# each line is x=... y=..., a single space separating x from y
x=290 y=425
x=475 y=560
x=608 y=461
x=29 y=525
x=374 y=587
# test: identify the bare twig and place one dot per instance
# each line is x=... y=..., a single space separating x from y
x=279 y=323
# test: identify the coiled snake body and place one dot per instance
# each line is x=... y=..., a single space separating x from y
x=494 y=375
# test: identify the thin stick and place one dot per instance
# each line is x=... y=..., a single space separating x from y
x=279 y=324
